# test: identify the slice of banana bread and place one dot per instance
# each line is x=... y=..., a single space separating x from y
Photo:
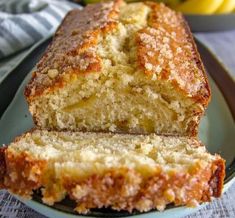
x=124 y=172
x=122 y=68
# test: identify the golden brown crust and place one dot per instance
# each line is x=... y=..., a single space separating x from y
x=204 y=94
x=217 y=178
x=128 y=190
x=22 y=173
x=121 y=188
x=168 y=38
x=72 y=49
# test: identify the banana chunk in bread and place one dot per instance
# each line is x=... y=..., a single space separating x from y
x=122 y=68
x=120 y=171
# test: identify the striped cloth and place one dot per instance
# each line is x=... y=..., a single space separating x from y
x=32 y=20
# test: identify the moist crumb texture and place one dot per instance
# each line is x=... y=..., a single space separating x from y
x=122 y=68
x=120 y=171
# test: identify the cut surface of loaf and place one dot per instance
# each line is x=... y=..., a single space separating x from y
x=122 y=68
x=120 y=171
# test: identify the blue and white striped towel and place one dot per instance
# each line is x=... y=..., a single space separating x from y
x=25 y=22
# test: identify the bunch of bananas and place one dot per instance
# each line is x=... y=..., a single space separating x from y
x=194 y=6
x=202 y=6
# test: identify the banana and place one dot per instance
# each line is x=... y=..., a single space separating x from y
x=226 y=7
x=199 y=6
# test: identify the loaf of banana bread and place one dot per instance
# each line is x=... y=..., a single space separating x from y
x=122 y=68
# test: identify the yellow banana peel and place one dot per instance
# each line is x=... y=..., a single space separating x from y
x=199 y=6
x=226 y=7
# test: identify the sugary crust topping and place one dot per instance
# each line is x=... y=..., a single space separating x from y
x=73 y=44
x=121 y=188
x=128 y=190
x=72 y=49
x=166 y=48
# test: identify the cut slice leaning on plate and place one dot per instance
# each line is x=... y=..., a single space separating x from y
x=124 y=172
